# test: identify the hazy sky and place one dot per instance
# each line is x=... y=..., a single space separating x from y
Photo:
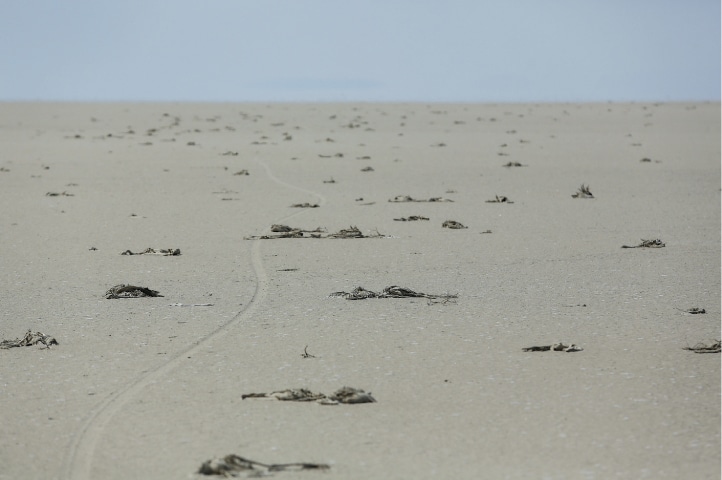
x=371 y=50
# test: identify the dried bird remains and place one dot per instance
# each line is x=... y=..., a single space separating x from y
x=656 y=243
x=346 y=395
x=703 y=348
x=350 y=232
x=583 y=192
x=407 y=198
x=30 y=338
x=453 y=224
x=350 y=395
x=354 y=232
x=288 y=395
x=693 y=311
x=360 y=293
x=412 y=218
x=499 y=199
x=130 y=291
x=168 y=252
x=556 y=347
x=288 y=232
x=286 y=228
x=235 y=466
x=190 y=304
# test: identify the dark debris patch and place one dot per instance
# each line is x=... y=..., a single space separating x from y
x=235 y=466
x=347 y=395
x=164 y=252
x=499 y=199
x=360 y=293
x=130 y=291
x=583 y=192
x=453 y=224
x=407 y=198
x=556 y=347
x=715 y=347
x=655 y=243
x=30 y=338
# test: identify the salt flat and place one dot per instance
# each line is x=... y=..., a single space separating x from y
x=138 y=388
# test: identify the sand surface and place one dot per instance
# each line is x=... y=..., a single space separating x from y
x=138 y=388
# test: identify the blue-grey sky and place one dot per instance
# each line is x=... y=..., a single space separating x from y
x=371 y=50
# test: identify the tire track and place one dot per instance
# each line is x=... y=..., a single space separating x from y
x=79 y=461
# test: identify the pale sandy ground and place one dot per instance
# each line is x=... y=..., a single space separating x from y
x=141 y=389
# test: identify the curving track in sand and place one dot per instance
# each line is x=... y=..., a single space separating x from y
x=79 y=461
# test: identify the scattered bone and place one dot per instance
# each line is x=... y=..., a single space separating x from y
x=703 y=348
x=130 y=291
x=304 y=205
x=407 y=198
x=412 y=218
x=168 y=252
x=235 y=466
x=583 y=192
x=242 y=172
x=499 y=199
x=360 y=293
x=656 y=243
x=30 y=339
x=557 y=347
x=453 y=224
